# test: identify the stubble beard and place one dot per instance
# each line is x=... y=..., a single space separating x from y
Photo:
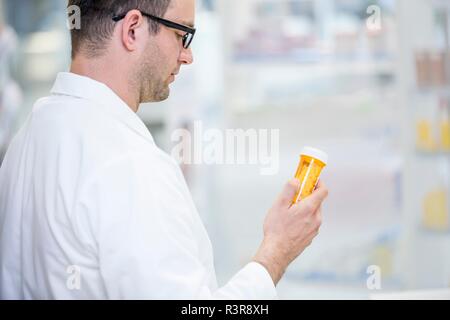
x=153 y=88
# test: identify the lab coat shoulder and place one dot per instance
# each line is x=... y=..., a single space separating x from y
x=80 y=123
x=79 y=138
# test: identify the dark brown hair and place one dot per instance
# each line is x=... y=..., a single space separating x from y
x=97 y=25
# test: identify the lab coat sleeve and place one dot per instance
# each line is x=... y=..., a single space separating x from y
x=146 y=236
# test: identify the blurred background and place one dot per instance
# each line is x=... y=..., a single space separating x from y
x=366 y=81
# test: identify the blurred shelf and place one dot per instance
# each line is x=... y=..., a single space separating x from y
x=431 y=154
x=439 y=91
x=443 y=236
x=331 y=66
x=307 y=56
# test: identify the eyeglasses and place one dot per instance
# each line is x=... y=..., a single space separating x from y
x=187 y=38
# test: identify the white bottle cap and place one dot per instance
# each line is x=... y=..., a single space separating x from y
x=315 y=153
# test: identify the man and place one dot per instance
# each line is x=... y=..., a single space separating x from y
x=91 y=208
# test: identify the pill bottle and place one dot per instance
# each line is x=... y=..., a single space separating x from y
x=312 y=162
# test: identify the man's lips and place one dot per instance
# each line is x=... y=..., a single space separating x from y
x=175 y=72
x=172 y=76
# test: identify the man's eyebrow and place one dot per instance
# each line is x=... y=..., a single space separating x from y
x=187 y=23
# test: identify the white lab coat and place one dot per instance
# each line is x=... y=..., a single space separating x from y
x=91 y=208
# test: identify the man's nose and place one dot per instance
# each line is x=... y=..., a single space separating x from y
x=186 y=56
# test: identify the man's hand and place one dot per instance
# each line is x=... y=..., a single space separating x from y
x=290 y=228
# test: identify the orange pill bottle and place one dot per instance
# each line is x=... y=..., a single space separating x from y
x=312 y=162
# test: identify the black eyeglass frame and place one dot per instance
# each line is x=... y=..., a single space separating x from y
x=187 y=38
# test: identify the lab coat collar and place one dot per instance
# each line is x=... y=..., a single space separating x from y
x=74 y=85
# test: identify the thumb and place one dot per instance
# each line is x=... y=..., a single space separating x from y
x=287 y=195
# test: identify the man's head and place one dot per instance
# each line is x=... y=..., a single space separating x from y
x=123 y=32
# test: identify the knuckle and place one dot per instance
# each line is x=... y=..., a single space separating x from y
x=312 y=224
x=325 y=191
x=284 y=199
x=318 y=221
x=293 y=183
x=309 y=207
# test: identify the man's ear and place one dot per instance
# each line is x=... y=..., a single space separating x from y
x=132 y=25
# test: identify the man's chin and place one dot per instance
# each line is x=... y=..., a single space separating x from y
x=164 y=95
x=160 y=96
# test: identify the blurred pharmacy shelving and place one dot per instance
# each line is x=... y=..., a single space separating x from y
x=280 y=51
x=43 y=48
x=315 y=71
x=425 y=91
